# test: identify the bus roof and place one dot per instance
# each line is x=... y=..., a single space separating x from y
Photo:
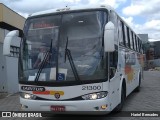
x=75 y=8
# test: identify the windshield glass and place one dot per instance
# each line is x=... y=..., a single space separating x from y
x=74 y=44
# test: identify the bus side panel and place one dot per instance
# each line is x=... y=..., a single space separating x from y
x=131 y=69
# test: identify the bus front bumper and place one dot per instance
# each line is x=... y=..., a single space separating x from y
x=70 y=106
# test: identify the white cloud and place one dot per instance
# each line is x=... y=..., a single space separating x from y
x=150 y=10
x=129 y=21
x=113 y=3
x=72 y=1
x=153 y=24
x=31 y=6
x=142 y=7
x=25 y=15
x=151 y=27
x=25 y=7
x=133 y=10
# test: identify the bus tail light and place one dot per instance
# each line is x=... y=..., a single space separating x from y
x=94 y=96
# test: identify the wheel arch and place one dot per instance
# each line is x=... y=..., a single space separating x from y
x=122 y=85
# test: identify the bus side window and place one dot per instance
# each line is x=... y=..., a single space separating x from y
x=133 y=42
x=123 y=34
x=128 y=37
x=120 y=33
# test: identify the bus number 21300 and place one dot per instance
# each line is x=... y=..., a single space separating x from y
x=91 y=87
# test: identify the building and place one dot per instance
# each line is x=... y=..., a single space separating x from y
x=145 y=42
x=144 y=38
x=156 y=47
x=9 y=20
x=146 y=47
x=152 y=51
x=156 y=54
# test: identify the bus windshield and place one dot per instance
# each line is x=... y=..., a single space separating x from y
x=70 y=43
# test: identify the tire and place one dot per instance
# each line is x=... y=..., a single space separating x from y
x=123 y=97
x=137 y=89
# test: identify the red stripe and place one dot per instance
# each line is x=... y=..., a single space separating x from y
x=43 y=92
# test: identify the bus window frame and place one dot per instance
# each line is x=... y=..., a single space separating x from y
x=123 y=34
x=133 y=40
x=128 y=37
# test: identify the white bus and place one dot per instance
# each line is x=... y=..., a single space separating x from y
x=77 y=59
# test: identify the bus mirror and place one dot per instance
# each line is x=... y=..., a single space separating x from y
x=109 y=37
x=13 y=35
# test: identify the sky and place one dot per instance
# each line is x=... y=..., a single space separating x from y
x=142 y=15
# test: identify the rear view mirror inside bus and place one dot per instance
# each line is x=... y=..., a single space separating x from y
x=109 y=37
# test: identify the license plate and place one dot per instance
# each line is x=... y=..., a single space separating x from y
x=58 y=108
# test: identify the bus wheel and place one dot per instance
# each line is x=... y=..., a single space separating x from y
x=123 y=97
x=139 y=85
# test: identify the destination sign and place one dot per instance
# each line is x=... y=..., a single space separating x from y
x=42 y=25
x=32 y=88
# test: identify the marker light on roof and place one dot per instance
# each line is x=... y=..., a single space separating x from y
x=103 y=6
x=63 y=9
x=80 y=21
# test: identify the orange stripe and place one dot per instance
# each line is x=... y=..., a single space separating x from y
x=54 y=92
x=43 y=92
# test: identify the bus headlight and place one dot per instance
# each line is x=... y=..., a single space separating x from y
x=94 y=96
x=27 y=96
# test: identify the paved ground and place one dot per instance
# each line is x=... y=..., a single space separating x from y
x=148 y=99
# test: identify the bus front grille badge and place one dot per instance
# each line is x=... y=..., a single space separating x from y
x=57 y=95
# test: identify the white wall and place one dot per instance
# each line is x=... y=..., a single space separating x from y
x=3 y=82
x=2 y=34
x=12 y=74
x=8 y=68
x=3 y=73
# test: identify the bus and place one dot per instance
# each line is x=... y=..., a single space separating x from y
x=77 y=59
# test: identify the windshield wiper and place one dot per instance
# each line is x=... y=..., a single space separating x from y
x=68 y=54
x=46 y=58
